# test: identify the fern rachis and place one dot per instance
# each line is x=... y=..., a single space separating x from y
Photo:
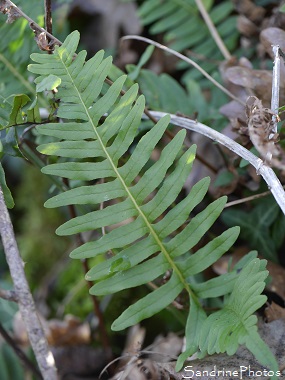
x=149 y=244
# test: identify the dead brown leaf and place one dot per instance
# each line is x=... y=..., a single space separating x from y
x=67 y=332
x=274 y=312
x=256 y=82
x=272 y=36
x=252 y=11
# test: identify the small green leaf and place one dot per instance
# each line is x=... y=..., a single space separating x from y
x=14 y=111
x=6 y=192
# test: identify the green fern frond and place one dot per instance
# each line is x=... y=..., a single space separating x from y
x=236 y=319
x=17 y=43
x=183 y=28
x=143 y=193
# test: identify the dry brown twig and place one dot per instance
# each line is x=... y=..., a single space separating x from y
x=213 y=30
x=13 y=12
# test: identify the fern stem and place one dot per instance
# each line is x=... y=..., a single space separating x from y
x=267 y=173
x=213 y=30
x=186 y=59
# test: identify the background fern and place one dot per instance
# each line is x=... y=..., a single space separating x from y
x=184 y=29
x=17 y=43
x=147 y=244
x=261 y=227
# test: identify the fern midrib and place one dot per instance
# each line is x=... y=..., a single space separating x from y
x=238 y=315
x=152 y=231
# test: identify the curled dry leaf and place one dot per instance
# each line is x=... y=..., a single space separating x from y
x=42 y=40
x=262 y=133
x=7 y=9
x=275 y=19
x=134 y=342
